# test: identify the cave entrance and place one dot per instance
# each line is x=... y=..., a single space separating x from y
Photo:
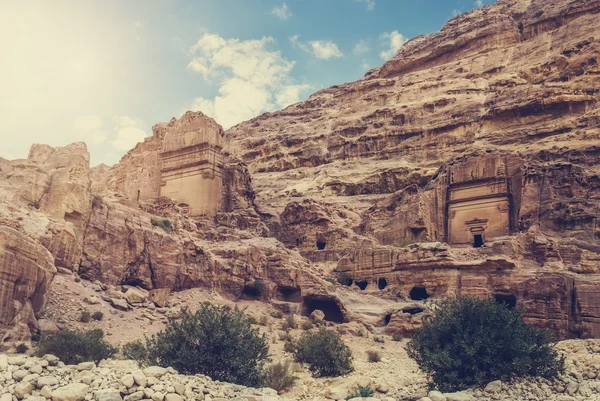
x=251 y=293
x=289 y=294
x=330 y=308
x=321 y=244
x=386 y=319
x=381 y=283
x=362 y=284
x=412 y=310
x=418 y=294
x=509 y=300
x=477 y=240
x=135 y=282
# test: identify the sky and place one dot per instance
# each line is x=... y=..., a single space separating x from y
x=105 y=71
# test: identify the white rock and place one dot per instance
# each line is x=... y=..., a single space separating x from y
x=108 y=395
x=17 y=360
x=173 y=397
x=47 y=381
x=436 y=396
x=139 y=377
x=23 y=389
x=86 y=366
x=70 y=392
x=459 y=396
x=155 y=371
x=493 y=387
x=6 y=397
x=127 y=381
x=18 y=375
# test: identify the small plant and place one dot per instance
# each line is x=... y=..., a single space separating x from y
x=472 y=341
x=289 y=323
x=165 y=224
x=264 y=320
x=286 y=336
x=22 y=348
x=85 y=316
x=280 y=376
x=379 y=339
x=343 y=278
x=397 y=336
x=135 y=350
x=77 y=279
x=277 y=314
x=373 y=356
x=252 y=319
x=97 y=316
x=361 y=391
x=324 y=352
x=307 y=325
x=73 y=347
x=289 y=346
x=216 y=341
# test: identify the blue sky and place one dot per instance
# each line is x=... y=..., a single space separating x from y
x=104 y=72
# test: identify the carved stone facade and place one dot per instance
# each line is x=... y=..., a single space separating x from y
x=192 y=165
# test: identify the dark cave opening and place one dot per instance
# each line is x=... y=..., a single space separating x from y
x=386 y=319
x=250 y=292
x=134 y=282
x=509 y=300
x=381 y=283
x=330 y=308
x=289 y=294
x=412 y=310
x=477 y=241
x=418 y=294
x=362 y=284
x=321 y=244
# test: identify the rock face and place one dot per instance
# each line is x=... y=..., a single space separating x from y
x=469 y=164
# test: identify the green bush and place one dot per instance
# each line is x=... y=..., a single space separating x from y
x=277 y=314
x=97 y=316
x=324 y=352
x=135 y=350
x=264 y=320
x=216 y=341
x=165 y=224
x=472 y=341
x=289 y=346
x=22 y=348
x=280 y=376
x=85 y=317
x=73 y=347
x=361 y=391
x=289 y=323
x=397 y=336
x=373 y=356
x=307 y=325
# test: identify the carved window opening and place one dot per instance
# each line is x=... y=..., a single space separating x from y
x=477 y=240
x=329 y=307
x=386 y=319
x=418 y=294
x=509 y=300
x=381 y=283
x=321 y=244
x=251 y=293
x=289 y=294
x=412 y=310
x=362 y=284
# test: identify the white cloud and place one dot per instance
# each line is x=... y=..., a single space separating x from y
x=479 y=3
x=394 y=40
x=360 y=48
x=127 y=133
x=370 y=4
x=456 y=13
x=282 y=12
x=321 y=49
x=252 y=78
x=89 y=129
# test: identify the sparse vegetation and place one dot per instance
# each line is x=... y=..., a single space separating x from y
x=165 y=224
x=97 y=316
x=277 y=314
x=135 y=350
x=373 y=356
x=286 y=336
x=324 y=352
x=264 y=320
x=73 y=347
x=85 y=316
x=280 y=376
x=307 y=325
x=77 y=279
x=397 y=336
x=216 y=341
x=472 y=341
x=289 y=323
x=379 y=339
x=22 y=348
x=289 y=346
x=361 y=391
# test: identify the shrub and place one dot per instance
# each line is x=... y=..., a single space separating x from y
x=289 y=346
x=264 y=320
x=373 y=356
x=97 y=316
x=135 y=350
x=277 y=314
x=290 y=323
x=22 y=348
x=77 y=279
x=73 y=347
x=216 y=341
x=85 y=316
x=280 y=376
x=379 y=339
x=307 y=325
x=324 y=352
x=165 y=224
x=286 y=336
x=361 y=391
x=343 y=278
x=473 y=341
x=397 y=336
